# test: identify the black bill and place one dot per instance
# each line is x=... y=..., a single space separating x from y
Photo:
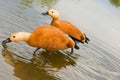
x=45 y=13
x=4 y=43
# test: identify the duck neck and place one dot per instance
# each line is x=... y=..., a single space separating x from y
x=26 y=36
x=55 y=19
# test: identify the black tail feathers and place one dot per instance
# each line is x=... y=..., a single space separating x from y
x=76 y=39
x=87 y=39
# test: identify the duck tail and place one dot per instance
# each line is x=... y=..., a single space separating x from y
x=86 y=39
x=71 y=43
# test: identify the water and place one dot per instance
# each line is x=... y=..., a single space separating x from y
x=98 y=60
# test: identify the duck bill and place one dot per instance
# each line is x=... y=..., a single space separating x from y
x=4 y=42
x=45 y=13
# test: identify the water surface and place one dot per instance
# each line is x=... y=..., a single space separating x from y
x=98 y=60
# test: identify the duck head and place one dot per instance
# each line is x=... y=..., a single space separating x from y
x=53 y=13
x=16 y=37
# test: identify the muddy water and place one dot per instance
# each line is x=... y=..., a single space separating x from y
x=98 y=60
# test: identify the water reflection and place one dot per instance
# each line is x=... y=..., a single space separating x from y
x=115 y=2
x=42 y=3
x=27 y=2
x=47 y=3
x=34 y=68
x=99 y=59
x=58 y=59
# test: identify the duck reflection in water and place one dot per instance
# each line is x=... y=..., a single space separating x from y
x=33 y=69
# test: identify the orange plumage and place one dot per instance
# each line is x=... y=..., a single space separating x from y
x=47 y=37
x=69 y=29
x=50 y=39
x=66 y=27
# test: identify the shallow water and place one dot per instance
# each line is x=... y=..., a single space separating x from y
x=98 y=60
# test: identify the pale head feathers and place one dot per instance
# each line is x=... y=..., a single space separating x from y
x=53 y=13
x=19 y=36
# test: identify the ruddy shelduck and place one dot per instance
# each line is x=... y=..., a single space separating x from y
x=47 y=37
x=66 y=27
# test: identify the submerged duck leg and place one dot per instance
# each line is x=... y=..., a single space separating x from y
x=47 y=58
x=36 y=51
x=71 y=51
x=49 y=54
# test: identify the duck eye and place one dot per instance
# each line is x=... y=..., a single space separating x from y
x=13 y=36
x=52 y=11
